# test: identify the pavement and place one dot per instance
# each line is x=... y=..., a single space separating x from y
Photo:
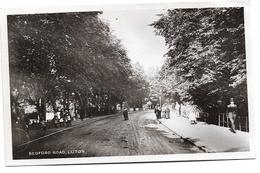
x=209 y=137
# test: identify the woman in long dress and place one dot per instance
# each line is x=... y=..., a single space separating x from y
x=125 y=114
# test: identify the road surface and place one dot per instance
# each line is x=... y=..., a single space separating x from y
x=110 y=136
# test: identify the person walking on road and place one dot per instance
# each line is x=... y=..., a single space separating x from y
x=125 y=114
x=232 y=113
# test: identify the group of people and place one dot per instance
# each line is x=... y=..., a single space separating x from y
x=231 y=113
x=64 y=120
x=161 y=113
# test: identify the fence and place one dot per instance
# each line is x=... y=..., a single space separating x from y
x=241 y=123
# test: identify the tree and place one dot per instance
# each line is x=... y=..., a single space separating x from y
x=138 y=88
x=206 y=55
x=54 y=55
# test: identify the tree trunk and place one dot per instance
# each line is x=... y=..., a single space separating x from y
x=82 y=105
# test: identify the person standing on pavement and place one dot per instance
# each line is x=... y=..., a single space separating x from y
x=232 y=113
x=192 y=116
x=158 y=111
x=178 y=109
x=167 y=112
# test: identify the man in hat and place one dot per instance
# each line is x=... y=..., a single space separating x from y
x=232 y=113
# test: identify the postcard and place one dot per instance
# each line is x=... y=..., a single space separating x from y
x=126 y=83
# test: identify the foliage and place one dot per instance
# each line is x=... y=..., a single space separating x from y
x=67 y=56
x=139 y=87
x=206 y=55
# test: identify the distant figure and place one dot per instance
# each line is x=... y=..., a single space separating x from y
x=55 y=121
x=163 y=112
x=173 y=105
x=43 y=125
x=62 y=122
x=125 y=113
x=192 y=117
x=232 y=113
x=178 y=109
x=158 y=111
x=82 y=114
x=68 y=118
x=193 y=113
x=25 y=122
x=167 y=112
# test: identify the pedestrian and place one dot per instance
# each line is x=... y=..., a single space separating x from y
x=62 y=121
x=178 y=109
x=158 y=111
x=82 y=114
x=62 y=118
x=193 y=112
x=43 y=125
x=232 y=113
x=167 y=112
x=163 y=112
x=55 y=121
x=68 y=118
x=125 y=113
x=192 y=118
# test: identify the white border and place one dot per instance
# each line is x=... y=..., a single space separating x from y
x=120 y=7
x=116 y=159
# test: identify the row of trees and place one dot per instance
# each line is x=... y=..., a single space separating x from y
x=69 y=57
x=206 y=62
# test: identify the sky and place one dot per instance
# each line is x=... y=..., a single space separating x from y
x=139 y=39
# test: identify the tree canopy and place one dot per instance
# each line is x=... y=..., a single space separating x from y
x=53 y=56
x=206 y=59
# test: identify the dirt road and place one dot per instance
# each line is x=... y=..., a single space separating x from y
x=110 y=136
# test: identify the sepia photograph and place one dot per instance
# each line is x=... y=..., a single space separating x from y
x=128 y=82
